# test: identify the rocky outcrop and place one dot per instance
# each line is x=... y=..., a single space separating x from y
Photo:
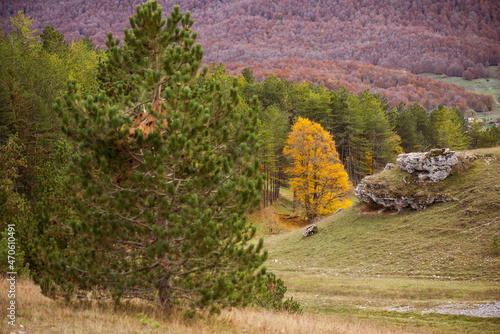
x=434 y=165
x=310 y=230
x=378 y=195
x=389 y=166
x=413 y=191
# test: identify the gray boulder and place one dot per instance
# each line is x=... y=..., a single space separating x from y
x=434 y=165
x=378 y=195
x=389 y=166
x=310 y=230
x=415 y=191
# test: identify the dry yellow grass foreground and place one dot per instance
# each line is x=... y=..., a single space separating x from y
x=39 y=315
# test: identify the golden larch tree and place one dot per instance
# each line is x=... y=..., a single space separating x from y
x=319 y=179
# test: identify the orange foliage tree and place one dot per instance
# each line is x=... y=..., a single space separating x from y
x=319 y=179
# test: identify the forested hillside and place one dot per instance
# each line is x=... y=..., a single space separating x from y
x=398 y=86
x=421 y=36
x=456 y=38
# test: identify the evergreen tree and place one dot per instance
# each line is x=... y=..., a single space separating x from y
x=475 y=133
x=163 y=176
x=14 y=208
x=490 y=137
x=449 y=127
x=247 y=73
x=377 y=131
x=312 y=102
x=53 y=41
x=348 y=127
x=274 y=91
x=273 y=131
x=412 y=126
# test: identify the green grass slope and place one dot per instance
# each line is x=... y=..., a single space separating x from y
x=454 y=240
x=489 y=86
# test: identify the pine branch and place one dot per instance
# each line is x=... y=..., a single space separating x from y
x=137 y=271
x=137 y=106
x=132 y=220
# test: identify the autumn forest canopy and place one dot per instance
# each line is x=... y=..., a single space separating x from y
x=356 y=44
x=130 y=160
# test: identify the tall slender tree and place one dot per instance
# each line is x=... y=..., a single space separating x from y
x=450 y=129
x=273 y=131
x=53 y=41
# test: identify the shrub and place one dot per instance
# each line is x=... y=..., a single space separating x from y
x=272 y=299
x=495 y=246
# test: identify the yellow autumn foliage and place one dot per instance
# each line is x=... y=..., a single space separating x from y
x=318 y=178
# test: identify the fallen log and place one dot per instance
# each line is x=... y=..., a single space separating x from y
x=281 y=214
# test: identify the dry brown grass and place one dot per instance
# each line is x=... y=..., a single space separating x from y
x=41 y=315
x=258 y=321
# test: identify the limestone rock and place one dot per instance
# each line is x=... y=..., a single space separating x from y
x=389 y=166
x=378 y=195
x=396 y=190
x=415 y=191
x=434 y=165
x=310 y=230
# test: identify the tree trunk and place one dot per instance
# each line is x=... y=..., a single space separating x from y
x=278 y=188
x=294 y=200
x=267 y=185
x=165 y=292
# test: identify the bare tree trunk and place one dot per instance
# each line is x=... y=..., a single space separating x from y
x=267 y=185
x=279 y=183
x=273 y=186
x=294 y=200
x=275 y=181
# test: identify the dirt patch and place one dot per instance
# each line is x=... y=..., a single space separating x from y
x=486 y=310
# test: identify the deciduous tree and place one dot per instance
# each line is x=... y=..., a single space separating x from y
x=317 y=175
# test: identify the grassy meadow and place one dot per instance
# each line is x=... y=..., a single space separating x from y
x=367 y=264
x=356 y=275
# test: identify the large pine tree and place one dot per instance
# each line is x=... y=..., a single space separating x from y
x=163 y=175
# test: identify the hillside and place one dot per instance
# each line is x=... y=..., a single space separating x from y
x=486 y=86
x=424 y=36
x=455 y=240
x=404 y=268
x=377 y=43
x=398 y=86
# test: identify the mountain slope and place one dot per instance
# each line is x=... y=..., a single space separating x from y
x=455 y=240
x=421 y=36
x=456 y=38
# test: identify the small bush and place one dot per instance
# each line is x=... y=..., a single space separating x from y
x=272 y=227
x=147 y=321
x=495 y=246
x=272 y=299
